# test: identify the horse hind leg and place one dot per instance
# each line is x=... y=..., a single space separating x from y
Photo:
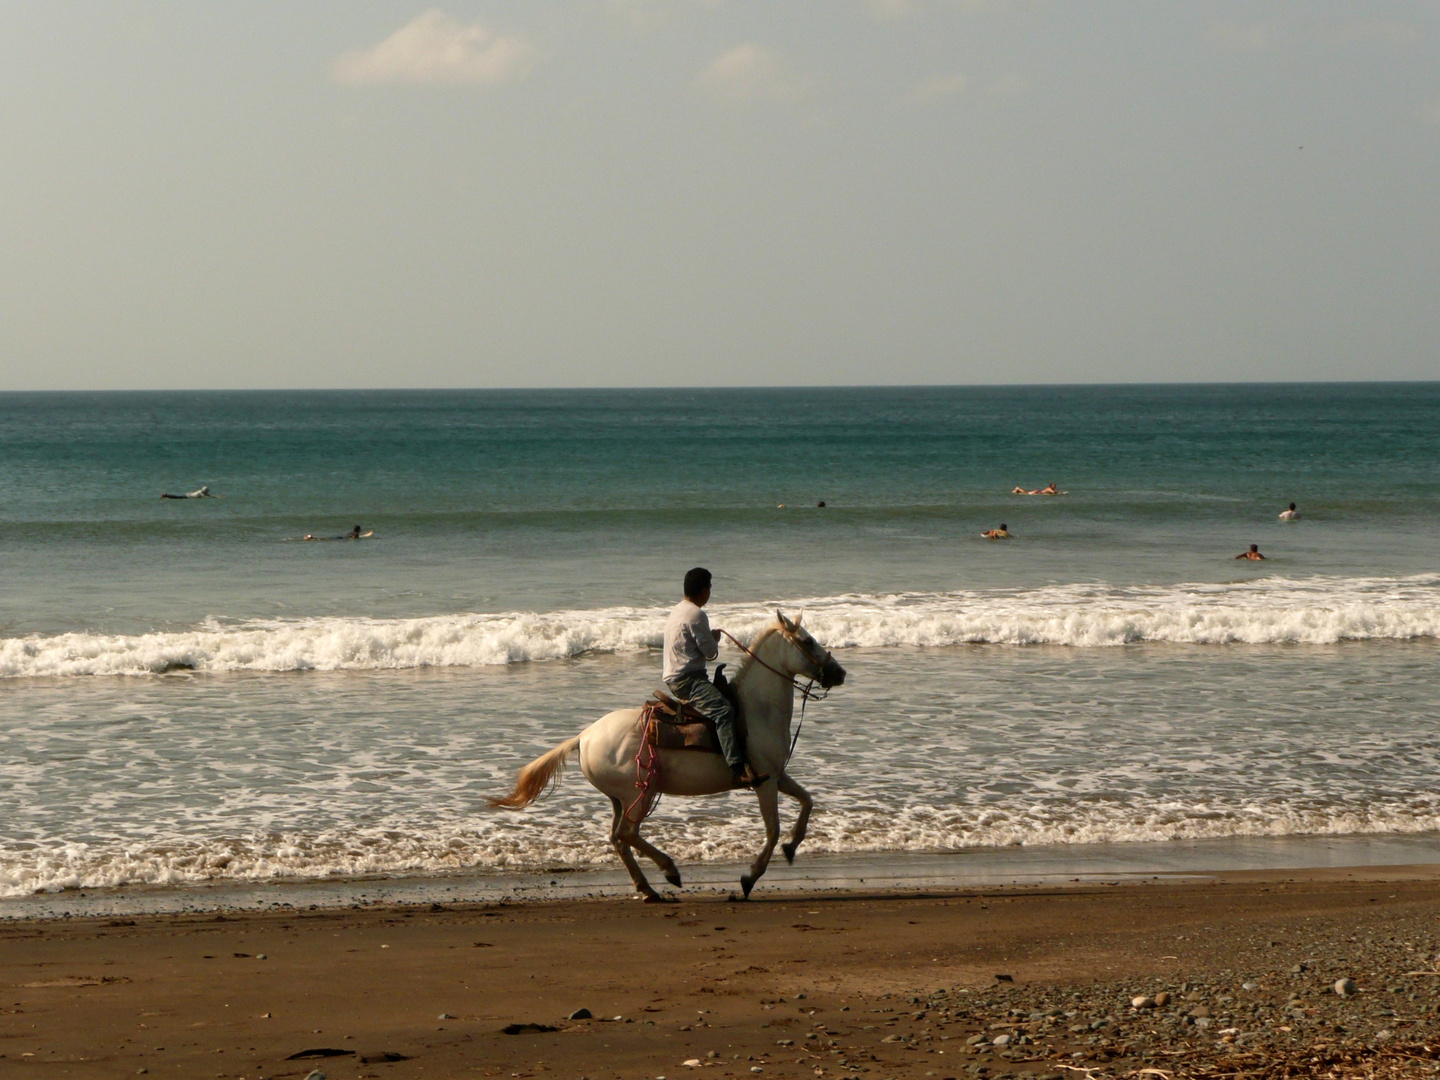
x=620 y=843
x=770 y=812
x=659 y=858
x=797 y=834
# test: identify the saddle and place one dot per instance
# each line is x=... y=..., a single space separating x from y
x=675 y=725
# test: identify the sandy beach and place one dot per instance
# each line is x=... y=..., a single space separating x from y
x=1025 y=980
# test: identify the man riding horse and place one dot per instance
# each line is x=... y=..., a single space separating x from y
x=689 y=642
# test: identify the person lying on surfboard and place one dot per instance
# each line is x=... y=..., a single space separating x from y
x=353 y=534
x=1051 y=489
x=1002 y=533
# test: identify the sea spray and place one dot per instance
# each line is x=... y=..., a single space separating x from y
x=1274 y=610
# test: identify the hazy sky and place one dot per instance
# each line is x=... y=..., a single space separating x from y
x=667 y=192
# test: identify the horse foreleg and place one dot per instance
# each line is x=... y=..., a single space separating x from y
x=621 y=843
x=797 y=834
x=770 y=811
x=659 y=858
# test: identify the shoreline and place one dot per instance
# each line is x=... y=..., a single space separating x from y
x=862 y=872
x=1229 y=974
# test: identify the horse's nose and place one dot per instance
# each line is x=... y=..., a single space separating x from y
x=832 y=674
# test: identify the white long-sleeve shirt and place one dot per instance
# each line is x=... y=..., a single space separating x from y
x=688 y=641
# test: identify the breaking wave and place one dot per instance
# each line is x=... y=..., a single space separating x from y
x=1313 y=611
x=480 y=845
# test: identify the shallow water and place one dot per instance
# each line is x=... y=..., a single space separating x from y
x=189 y=693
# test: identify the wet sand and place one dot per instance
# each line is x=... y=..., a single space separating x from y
x=894 y=984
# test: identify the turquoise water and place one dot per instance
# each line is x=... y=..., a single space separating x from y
x=189 y=690
x=549 y=500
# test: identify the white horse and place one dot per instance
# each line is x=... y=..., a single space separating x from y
x=766 y=682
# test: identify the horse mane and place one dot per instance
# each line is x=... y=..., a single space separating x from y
x=755 y=645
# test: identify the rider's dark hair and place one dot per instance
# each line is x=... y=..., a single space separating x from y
x=696 y=581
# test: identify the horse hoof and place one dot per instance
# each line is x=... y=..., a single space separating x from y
x=673 y=877
x=747 y=883
x=789 y=852
x=656 y=898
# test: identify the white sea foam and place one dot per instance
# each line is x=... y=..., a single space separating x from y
x=1314 y=611
x=480 y=845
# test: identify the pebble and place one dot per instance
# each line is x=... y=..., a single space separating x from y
x=1001 y=1040
x=315 y=1074
x=261 y=956
x=444 y=1016
x=1250 y=986
x=1162 y=999
x=691 y=1063
x=1142 y=1001
x=580 y=1014
x=1344 y=987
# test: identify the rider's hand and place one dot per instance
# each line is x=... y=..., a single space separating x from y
x=715 y=632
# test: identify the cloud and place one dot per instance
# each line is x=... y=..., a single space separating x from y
x=438 y=50
x=1430 y=111
x=750 y=73
x=1241 y=37
x=941 y=86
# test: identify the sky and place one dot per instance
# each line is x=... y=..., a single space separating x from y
x=358 y=193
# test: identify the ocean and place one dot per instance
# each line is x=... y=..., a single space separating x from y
x=192 y=693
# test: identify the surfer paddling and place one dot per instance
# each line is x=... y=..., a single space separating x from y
x=1002 y=533
x=1253 y=554
x=1051 y=488
x=202 y=493
x=353 y=534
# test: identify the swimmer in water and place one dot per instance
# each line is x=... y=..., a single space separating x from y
x=1052 y=489
x=1290 y=515
x=1002 y=533
x=1253 y=554
x=202 y=493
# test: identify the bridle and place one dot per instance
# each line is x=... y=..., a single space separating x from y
x=807 y=691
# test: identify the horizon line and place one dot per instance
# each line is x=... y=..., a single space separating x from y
x=721 y=388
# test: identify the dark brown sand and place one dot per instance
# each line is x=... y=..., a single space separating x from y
x=893 y=985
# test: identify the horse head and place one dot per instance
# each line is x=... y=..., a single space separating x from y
x=810 y=660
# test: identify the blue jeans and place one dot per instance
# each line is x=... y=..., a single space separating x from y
x=700 y=694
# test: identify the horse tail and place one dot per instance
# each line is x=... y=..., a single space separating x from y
x=535 y=778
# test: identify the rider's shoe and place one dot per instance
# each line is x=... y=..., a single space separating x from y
x=745 y=777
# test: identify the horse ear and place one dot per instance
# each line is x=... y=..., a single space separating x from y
x=786 y=623
x=800 y=618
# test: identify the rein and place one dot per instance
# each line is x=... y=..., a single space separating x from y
x=807 y=691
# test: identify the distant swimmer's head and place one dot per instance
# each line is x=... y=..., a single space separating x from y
x=1004 y=527
x=1254 y=547
x=697 y=585
x=1292 y=506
